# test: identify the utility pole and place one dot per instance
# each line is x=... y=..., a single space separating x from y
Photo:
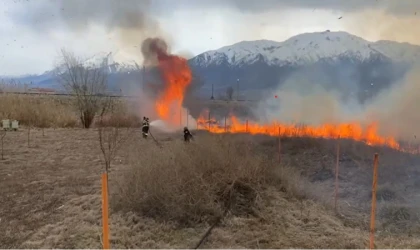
x=180 y=116
x=212 y=92
x=143 y=77
x=188 y=113
x=237 y=90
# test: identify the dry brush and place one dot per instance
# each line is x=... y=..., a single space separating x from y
x=193 y=183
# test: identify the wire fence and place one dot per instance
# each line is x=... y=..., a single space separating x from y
x=112 y=96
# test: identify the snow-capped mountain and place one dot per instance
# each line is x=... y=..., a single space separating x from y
x=337 y=60
x=107 y=61
x=308 y=48
x=128 y=71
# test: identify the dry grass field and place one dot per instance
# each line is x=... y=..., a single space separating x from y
x=168 y=196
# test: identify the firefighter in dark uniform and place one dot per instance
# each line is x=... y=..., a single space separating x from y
x=145 y=127
x=187 y=135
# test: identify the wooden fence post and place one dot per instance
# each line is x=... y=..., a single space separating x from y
x=373 y=211
x=246 y=128
x=336 y=175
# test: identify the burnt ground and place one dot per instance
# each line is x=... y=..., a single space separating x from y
x=50 y=193
x=398 y=179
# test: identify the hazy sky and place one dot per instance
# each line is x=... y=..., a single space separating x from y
x=33 y=31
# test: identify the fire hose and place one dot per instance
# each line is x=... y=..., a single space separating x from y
x=157 y=142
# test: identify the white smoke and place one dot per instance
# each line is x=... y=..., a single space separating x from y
x=302 y=101
x=394 y=109
x=186 y=120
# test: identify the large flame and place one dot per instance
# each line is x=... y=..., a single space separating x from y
x=354 y=130
x=177 y=76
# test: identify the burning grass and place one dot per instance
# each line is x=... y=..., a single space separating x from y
x=354 y=131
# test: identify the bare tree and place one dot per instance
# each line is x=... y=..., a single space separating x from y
x=87 y=83
x=111 y=138
x=229 y=93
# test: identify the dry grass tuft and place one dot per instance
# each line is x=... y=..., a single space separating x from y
x=397 y=218
x=119 y=121
x=38 y=111
x=395 y=213
x=57 y=112
x=119 y=117
x=192 y=183
x=385 y=193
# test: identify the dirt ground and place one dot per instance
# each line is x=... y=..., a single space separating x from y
x=51 y=198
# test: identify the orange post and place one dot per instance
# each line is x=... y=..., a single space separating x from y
x=336 y=175
x=372 y=215
x=246 y=126
x=279 y=148
x=209 y=121
x=105 y=225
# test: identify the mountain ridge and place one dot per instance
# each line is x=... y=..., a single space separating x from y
x=265 y=64
x=309 y=48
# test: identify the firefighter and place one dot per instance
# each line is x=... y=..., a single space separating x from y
x=145 y=127
x=187 y=135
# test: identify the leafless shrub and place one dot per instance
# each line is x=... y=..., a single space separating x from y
x=87 y=83
x=111 y=137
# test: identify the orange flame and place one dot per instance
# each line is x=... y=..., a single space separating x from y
x=177 y=76
x=353 y=130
